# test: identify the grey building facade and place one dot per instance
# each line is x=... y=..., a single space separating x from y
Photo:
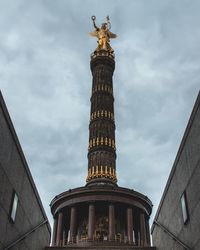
x=177 y=221
x=23 y=222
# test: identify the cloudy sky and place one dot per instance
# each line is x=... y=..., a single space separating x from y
x=45 y=79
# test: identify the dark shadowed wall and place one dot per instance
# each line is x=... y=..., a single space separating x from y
x=177 y=225
x=30 y=228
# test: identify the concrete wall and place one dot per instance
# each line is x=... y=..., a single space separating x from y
x=15 y=175
x=185 y=176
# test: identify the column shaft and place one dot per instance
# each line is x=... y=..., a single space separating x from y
x=102 y=126
x=72 y=224
x=130 y=224
x=148 y=233
x=59 y=229
x=91 y=218
x=64 y=239
x=54 y=231
x=143 y=238
x=111 y=222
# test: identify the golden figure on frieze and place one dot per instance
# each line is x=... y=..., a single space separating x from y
x=103 y=34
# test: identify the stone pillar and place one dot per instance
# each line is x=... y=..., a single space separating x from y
x=148 y=232
x=72 y=224
x=91 y=219
x=130 y=224
x=59 y=229
x=64 y=239
x=102 y=105
x=54 y=231
x=143 y=236
x=111 y=222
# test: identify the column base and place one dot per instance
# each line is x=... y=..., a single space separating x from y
x=102 y=246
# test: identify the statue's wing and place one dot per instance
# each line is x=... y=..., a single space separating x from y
x=94 y=33
x=112 y=35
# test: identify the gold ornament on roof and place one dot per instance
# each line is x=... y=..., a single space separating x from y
x=103 y=34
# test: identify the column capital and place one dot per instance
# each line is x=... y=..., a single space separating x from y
x=111 y=203
x=91 y=202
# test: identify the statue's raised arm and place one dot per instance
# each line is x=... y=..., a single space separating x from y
x=103 y=34
x=93 y=19
x=108 y=22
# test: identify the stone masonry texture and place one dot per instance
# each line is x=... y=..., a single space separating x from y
x=184 y=177
x=15 y=176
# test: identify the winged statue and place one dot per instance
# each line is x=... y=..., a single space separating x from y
x=103 y=34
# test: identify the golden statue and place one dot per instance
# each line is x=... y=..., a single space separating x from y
x=103 y=34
